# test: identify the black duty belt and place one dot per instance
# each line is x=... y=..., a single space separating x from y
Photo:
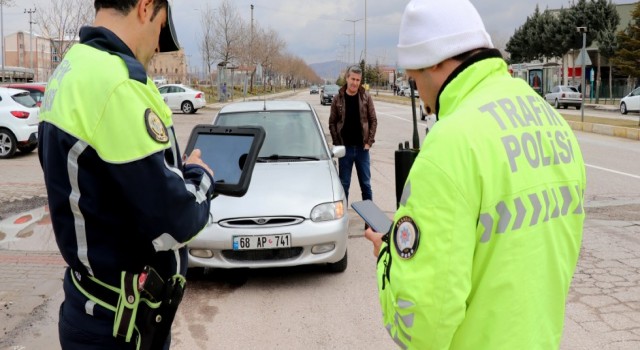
x=95 y=289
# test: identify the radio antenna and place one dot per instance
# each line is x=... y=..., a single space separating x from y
x=416 y=138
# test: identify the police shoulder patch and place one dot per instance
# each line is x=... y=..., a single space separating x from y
x=406 y=237
x=155 y=126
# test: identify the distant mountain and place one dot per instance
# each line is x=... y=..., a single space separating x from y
x=329 y=70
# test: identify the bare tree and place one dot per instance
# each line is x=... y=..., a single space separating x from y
x=208 y=41
x=61 y=22
x=266 y=46
x=229 y=28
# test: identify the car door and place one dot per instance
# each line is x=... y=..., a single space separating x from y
x=164 y=91
x=176 y=95
x=634 y=100
x=551 y=97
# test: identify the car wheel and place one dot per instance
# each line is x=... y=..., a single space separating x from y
x=27 y=149
x=187 y=107
x=8 y=144
x=422 y=115
x=338 y=266
x=556 y=104
x=623 y=108
x=577 y=107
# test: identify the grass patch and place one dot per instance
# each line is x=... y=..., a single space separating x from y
x=606 y=121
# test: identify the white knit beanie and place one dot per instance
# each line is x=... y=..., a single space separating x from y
x=433 y=30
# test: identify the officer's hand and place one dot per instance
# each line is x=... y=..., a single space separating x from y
x=375 y=238
x=194 y=158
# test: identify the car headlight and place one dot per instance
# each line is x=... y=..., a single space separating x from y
x=327 y=211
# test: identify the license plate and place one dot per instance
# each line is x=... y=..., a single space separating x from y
x=282 y=240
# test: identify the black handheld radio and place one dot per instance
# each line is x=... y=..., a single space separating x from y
x=405 y=156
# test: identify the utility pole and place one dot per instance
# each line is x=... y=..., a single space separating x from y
x=364 y=76
x=354 y=36
x=584 y=55
x=30 y=12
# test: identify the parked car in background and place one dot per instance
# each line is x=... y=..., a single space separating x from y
x=564 y=96
x=406 y=91
x=183 y=98
x=36 y=90
x=19 y=117
x=295 y=210
x=328 y=92
x=631 y=102
x=427 y=115
x=314 y=89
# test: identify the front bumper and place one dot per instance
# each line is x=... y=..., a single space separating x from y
x=217 y=240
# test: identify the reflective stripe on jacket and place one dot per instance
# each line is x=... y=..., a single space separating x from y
x=496 y=199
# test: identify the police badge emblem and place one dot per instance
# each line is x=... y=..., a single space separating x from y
x=155 y=126
x=406 y=237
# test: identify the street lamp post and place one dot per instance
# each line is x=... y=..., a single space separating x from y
x=354 y=36
x=364 y=76
x=583 y=55
x=2 y=35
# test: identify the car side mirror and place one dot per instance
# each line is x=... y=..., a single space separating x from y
x=338 y=151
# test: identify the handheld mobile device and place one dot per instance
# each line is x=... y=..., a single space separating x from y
x=150 y=284
x=372 y=215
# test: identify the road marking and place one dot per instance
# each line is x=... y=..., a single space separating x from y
x=401 y=118
x=613 y=171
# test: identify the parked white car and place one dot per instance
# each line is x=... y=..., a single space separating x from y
x=564 y=96
x=295 y=211
x=19 y=117
x=631 y=102
x=183 y=98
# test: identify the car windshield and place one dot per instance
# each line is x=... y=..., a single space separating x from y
x=290 y=135
x=331 y=89
x=25 y=99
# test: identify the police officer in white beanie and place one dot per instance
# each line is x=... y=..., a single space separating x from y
x=488 y=231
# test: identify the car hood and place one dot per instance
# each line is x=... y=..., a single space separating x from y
x=282 y=189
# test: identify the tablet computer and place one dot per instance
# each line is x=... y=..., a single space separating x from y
x=372 y=215
x=231 y=152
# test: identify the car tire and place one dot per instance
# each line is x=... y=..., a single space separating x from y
x=186 y=107
x=556 y=104
x=8 y=144
x=422 y=115
x=623 y=108
x=340 y=265
x=577 y=107
x=27 y=149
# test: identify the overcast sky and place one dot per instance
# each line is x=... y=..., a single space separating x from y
x=318 y=31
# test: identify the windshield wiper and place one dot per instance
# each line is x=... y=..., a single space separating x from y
x=285 y=157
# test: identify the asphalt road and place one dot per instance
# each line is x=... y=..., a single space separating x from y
x=304 y=307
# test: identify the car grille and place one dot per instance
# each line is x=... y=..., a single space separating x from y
x=262 y=221
x=258 y=255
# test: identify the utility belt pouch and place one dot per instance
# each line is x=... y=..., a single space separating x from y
x=157 y=308
x=127 y=307
x=172 y=296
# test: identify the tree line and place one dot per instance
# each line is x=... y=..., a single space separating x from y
x=228 y=39
x=551 y=34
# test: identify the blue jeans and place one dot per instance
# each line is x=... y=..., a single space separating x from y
x=359 y=156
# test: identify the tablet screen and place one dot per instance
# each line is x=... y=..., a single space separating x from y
x=231 y=152
x=225 y=154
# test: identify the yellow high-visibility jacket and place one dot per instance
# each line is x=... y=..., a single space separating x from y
x=487 y=236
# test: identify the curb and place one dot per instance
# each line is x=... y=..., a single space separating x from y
x=603 y=129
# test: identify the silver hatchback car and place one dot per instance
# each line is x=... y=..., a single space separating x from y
x=295 y=210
